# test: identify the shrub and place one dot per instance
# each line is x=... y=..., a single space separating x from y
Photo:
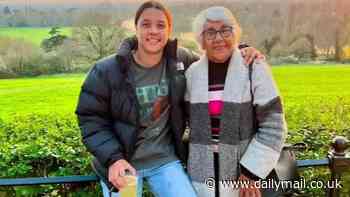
x=42 y=145
x=284 y=60
x=316 y=124
x=39 y=145
x=53 y=63
x=17 y=54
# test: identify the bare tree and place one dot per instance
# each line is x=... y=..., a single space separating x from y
x=97 y=36
x=342 y=26
x=303 y=20
x=265 y=22
x=17 y=53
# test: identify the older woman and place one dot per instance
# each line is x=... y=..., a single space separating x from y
x=226 y=102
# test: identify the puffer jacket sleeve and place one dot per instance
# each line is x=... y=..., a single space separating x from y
x=94 y=117
x=186 y=56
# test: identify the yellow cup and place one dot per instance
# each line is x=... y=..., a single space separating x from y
x=131 y=189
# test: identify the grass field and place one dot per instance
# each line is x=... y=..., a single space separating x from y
x=39 y=95
x=35 y=35
x=300 y=86
x=313 y=83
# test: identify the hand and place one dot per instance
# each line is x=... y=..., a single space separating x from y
x=116 y=173
x=249 y=191
x=250 y=54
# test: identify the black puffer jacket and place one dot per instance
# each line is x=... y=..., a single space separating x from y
x=108 y=108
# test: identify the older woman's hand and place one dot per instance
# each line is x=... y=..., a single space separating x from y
x=250 y=54
x=248 y=190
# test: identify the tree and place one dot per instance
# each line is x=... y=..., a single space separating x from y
x=342 y=23
x=97 y=36
x=322 y=23
x=18 y=54
x=262 y=23
x=2 y=64
x=68 y=53
x=268 y=44
x=306 y=26
x=55 y=40
x=7 y=11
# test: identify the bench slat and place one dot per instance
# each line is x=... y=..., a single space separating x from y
x=47 y=180
x=312 y=163
x=93 y=178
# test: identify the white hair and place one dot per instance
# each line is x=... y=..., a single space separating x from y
x=216 y=13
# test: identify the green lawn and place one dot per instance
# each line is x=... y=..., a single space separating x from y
x=39 y=95
x=35 y=35
x=299 y=85
x=313 y=83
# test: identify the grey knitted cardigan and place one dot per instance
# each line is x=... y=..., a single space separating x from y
x=239 y=142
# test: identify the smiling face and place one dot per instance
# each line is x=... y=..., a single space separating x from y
x=218 y=46
x=152 y=31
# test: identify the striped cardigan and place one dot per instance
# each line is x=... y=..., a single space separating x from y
x=239 y=143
